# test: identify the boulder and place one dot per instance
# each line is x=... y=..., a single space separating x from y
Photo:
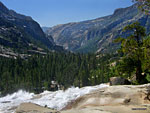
x=119 y=81
x=33 y=108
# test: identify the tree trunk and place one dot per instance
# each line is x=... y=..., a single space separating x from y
x=139 y=76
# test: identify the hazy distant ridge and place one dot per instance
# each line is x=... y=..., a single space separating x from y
x=96 y=35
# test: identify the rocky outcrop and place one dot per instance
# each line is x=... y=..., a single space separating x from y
x=113 y=99
x=33 y=108
x=119 y=81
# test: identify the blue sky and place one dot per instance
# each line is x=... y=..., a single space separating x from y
x=53 y=12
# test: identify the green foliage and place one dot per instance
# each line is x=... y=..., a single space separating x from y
x=37 y=72
x=148 y=77
x=126 y=67
x=136 y=53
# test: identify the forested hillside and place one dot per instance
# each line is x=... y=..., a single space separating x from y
x=68 y=69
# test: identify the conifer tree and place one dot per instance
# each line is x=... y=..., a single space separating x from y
x=133 y=48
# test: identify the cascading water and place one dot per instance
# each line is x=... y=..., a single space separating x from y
x=56 y=100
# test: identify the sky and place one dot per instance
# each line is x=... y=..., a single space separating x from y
x=52 y=12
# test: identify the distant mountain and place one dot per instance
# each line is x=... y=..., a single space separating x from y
x=45 y=29
x=97 y=35
x=21 y=33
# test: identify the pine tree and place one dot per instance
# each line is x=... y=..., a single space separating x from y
x=132 y=47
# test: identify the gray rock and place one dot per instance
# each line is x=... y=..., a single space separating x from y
x=119 y=81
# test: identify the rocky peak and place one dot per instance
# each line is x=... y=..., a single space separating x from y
x=127 y=10
x=3 y=8
x=118 y=11
x=9 y=14
x=19 y=16
x=20 y=27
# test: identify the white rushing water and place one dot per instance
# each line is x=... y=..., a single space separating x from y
x=56 y=100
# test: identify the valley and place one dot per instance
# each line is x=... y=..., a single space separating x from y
x=100 y=65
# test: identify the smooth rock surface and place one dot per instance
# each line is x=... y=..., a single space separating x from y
x=118 y=99
x=33 y=108
x=113 y=99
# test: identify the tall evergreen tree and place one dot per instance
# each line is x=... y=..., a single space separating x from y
x=133 y=49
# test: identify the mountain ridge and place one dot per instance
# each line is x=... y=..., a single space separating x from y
x=21 y=33
x=98 y=34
